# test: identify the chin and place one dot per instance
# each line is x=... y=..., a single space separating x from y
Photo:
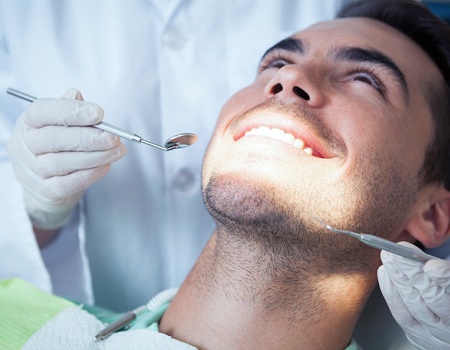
x=253 y=213
x=239 y=198
x=255 y=209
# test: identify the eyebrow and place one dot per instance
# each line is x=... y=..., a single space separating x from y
x=353 y=54
x=288 y=44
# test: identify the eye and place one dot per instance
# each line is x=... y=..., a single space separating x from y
x=368 y=77
x=273 y=60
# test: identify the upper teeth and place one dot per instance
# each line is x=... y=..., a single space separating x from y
x=279 y=134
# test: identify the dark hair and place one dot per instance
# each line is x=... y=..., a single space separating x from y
x=432 y=34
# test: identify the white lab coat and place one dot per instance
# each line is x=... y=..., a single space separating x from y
x=157 y=68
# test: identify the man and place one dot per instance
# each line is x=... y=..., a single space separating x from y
x=360 y=107
x=341 y=130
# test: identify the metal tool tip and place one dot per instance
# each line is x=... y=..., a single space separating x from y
x=331 y=228
x=319 y=221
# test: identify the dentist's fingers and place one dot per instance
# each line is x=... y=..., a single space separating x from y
x=416 y=301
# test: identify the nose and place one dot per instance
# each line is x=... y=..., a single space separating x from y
x=295 y=82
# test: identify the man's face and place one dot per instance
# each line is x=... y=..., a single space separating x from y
x=335 y=125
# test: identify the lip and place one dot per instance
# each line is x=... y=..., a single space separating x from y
x=287 y=124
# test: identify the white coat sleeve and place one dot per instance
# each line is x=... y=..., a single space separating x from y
x=20 y=255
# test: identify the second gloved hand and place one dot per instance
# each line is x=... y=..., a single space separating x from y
x=56 y=156
x=418 y=296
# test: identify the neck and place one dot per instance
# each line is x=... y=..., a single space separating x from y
x=240 y=296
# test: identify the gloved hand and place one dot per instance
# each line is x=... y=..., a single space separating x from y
x=418 y=296
x=56 y=157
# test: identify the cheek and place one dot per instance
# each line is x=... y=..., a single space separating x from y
x=395 y=132
x=236 y=105
x=374 y=129
x=241 y=102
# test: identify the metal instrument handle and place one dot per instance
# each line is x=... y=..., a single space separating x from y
x=115 y=326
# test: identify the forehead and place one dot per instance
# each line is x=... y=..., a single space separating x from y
x=364 y=32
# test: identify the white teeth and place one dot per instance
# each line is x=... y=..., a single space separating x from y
x=308 y=150
x=279 y=134
x=298 y=143
x=288 y=138
x=262 y=131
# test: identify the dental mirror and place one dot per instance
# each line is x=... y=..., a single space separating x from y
x=180 y=141
x=174 y=142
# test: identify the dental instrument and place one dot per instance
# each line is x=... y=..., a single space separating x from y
x=120 y=323
x=159 y=299
x=384 y=244
x=174 y=142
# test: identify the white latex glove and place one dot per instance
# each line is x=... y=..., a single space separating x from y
x=56 y=157
x=418 y=296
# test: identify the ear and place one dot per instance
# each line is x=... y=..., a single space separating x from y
x=430 y=221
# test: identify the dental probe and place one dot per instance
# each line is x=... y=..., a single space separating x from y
x=153 y=304
x=384 y=244
x=174 y=142
x=120 y=323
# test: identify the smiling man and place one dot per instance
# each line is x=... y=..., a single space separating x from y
x=347 y=121
x=339 y=123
